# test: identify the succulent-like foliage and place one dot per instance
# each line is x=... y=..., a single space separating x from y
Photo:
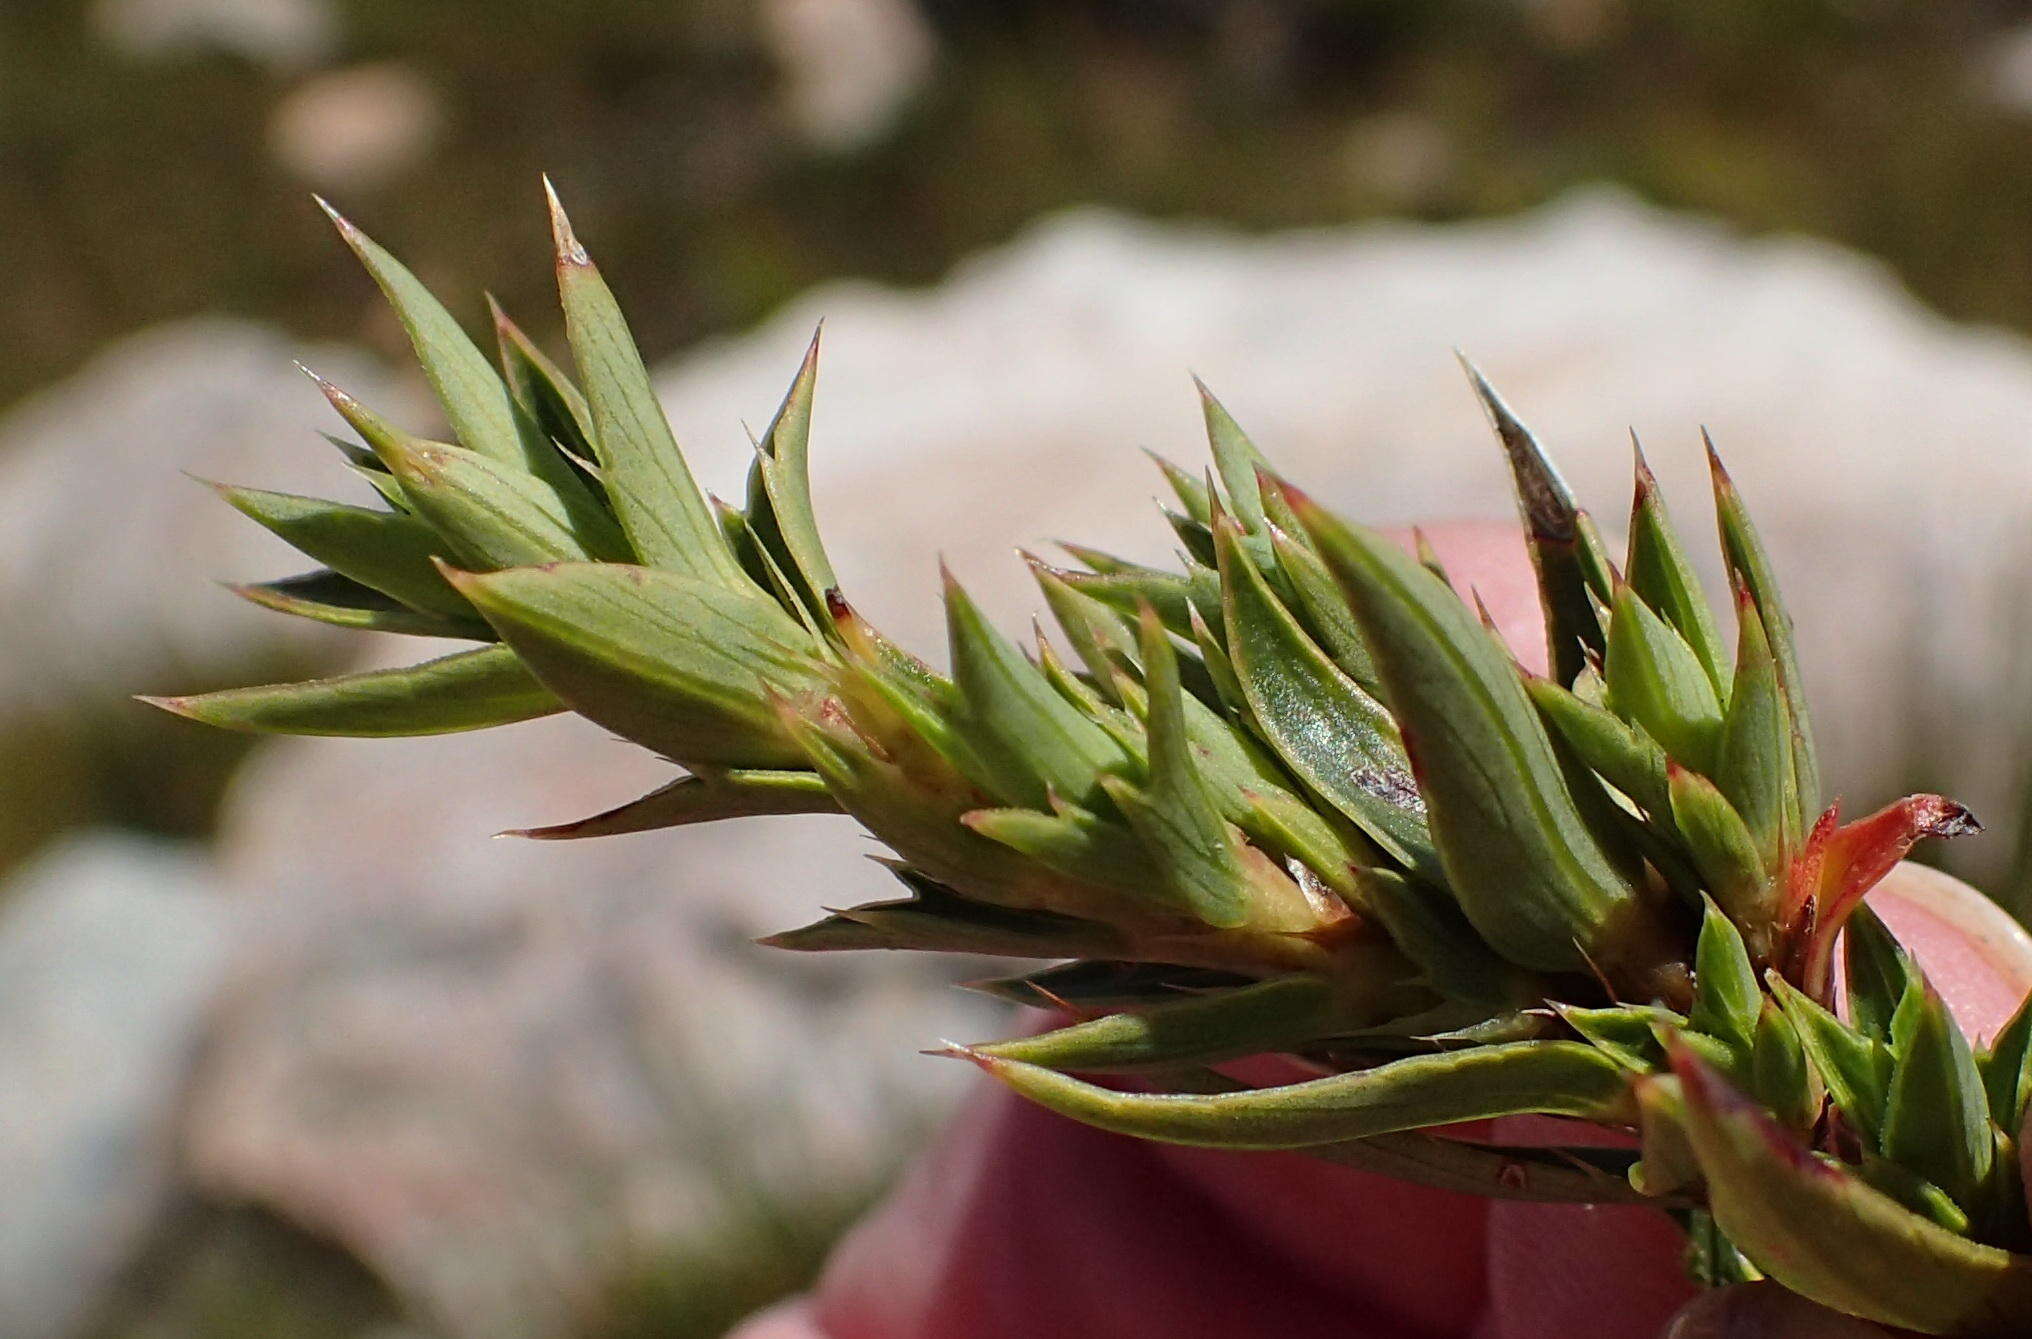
x=1295 y=797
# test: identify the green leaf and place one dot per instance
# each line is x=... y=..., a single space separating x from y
x=469 y=690
x=1268 y=1016
x=646 y=477
x=387 y=550
x=1878 y=972
x=1333 y=735
x=1626 y=1033
x=1564 y=551
x=677 y=665
x=1937 y=1121
x=326 y=597
x=707 y=797
x=1105 y=987
x=1626 y=758
x=1724 y=853
x=1128 y=589
x=1193 y=495
x=1750 y=568
x=1655 y=680
x=1659 y=572
x=1727 y=1000
x=1779 y=1074
x=1172 y=812
x=1227 y=685
x=1526 y=868
x=483 y=416
x=1196 y=537
x=1855 y=1068
x=541 y=389
x=1098 y=635
x=495 y=514
x=1323 y=610
x=1913 y=1191
x=1517 y=1078
x=936 y=919
x=779 y=488
x=2007 y=1068
x=1237 y=459
x=1753 y=767
x=1202 y=859
x=1824 y=1234
x=1078 y=843
x=1428 y=928
x=1033 y=743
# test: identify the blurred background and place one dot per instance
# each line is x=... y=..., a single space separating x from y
x=289 y=1048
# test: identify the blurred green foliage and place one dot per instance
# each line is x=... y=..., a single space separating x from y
x=138 y=188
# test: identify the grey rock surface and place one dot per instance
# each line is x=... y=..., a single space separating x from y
x=111 y=950
x=110 y=556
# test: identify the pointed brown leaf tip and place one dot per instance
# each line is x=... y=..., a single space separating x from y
x=1647 y=482
x=569 y=252
x=1482 y=609
x=1720 y=473
x=502 y=322
x=1541 y=494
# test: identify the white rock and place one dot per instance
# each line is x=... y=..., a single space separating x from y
x=353 y=129
x=110 y=950
x=285 y=34
x=109 y=555
x=850 y=67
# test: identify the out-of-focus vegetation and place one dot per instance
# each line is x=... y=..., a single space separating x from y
x=138 y=186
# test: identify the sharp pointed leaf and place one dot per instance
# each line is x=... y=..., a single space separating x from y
x=1033 y=742
x=1751 y=569
x=389 y=551
x=1753 y=767
x=1777 y=1202
x=1727 y=1001
x=1521 y=860
x=1548 y=1078
x=470 y=690
x=327 y=597
x=1656 y=681
x=483 y=416
x=646 y=477
x=1327 y=730
x=1937 y=1122
x=1248 y=1020
x=1659 y=572
x=677 y=665
x=704 y=798
x=1562 y=550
